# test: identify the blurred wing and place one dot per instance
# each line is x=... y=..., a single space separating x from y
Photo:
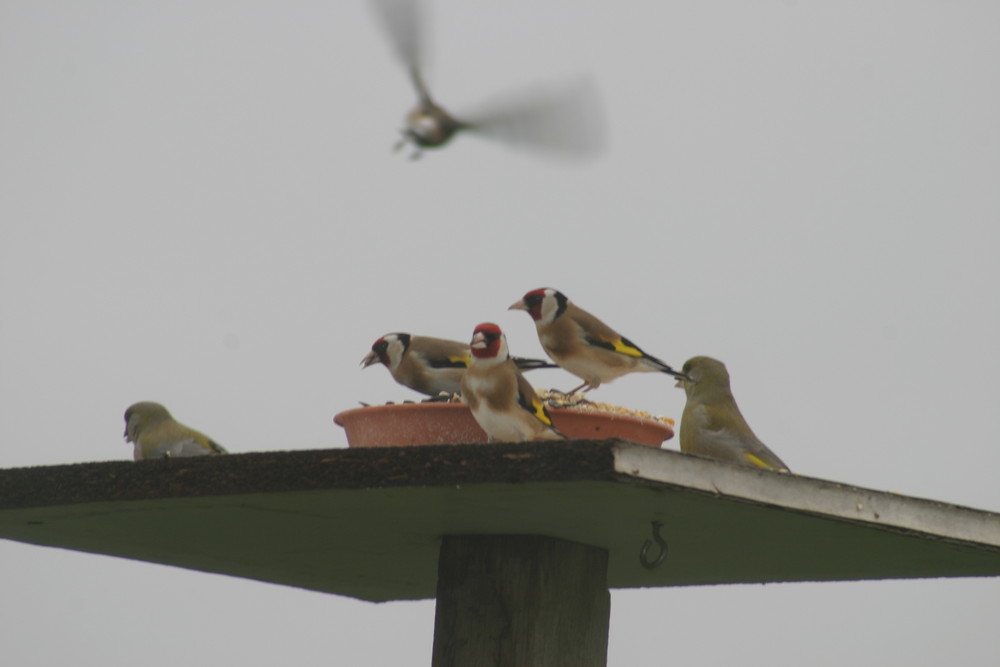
x=564 y=119
x=403 y=23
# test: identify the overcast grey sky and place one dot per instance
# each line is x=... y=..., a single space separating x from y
x=200 y=206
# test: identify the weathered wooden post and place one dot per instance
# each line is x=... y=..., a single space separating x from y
x=521 y=601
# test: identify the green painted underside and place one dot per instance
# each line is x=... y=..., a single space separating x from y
x=382 y=544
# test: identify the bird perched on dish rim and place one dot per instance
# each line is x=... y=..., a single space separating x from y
x=503 y=403
x=429 y=365
x=155 y=434
x=582 y=344
x=712 y=424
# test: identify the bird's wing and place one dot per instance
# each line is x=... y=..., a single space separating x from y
x=528 y=399
x=169 y=447
x=599 y=334
x=718 y=439
x=440 y=353
x=195 y=445
x=618 y=344
x=562 y=119
x=403 y=23
x=452 y=361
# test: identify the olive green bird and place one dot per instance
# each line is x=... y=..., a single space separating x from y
x=712 y=425
x=156 y=435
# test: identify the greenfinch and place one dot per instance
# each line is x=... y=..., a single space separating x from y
x=156 y=435
x=712 y=425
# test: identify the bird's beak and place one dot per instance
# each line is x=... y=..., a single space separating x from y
x=683 y=380
x=520 y=305
x=478 y=341
x=370 y=358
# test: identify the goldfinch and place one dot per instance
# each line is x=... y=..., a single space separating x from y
x=502 y=401
x=156 y=435
x=712 y=425
x=582 y=344
x=429 y=365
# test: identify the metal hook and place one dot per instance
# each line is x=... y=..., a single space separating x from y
x=656 y=562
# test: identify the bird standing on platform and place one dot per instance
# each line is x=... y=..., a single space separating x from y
x=712 y=425
x=559 y=119
x=429 y=365
x=156 y=435
x=503 y=403
x=582 y=344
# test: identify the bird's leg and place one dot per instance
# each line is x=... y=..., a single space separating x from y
x=404 y=138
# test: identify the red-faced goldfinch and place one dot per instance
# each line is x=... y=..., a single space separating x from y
x=712 y=424
x=582 y=344
x=428 y=365
x=501 y=400
x=156 y=435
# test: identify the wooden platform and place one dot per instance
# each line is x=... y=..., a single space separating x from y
x=368 y=523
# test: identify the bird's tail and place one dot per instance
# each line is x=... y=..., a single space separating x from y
x=216 y=447
x=665 y=368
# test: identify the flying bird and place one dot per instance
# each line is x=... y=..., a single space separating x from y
x=560 y=119
x=503 y=403
x=712 y=425
x=582 y=344
x=429 y=365
x=156 y=435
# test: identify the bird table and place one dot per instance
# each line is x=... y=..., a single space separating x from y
x=519 y=543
